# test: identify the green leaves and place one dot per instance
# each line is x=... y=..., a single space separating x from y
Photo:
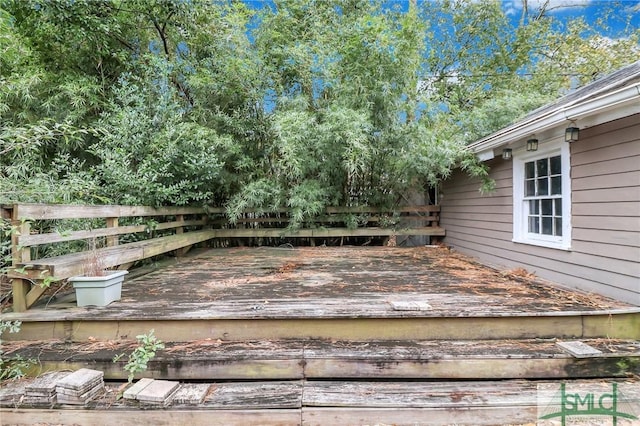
x=301 y=105
x=12 y=367
x=138 y=360
x=152 y=154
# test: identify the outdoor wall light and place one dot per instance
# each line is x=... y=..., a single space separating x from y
x=507 y=153
x=532 y=144
x=571 y=133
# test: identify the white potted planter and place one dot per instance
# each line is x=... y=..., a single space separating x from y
x=98 y=290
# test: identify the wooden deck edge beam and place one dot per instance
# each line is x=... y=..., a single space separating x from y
x=336 y=402
x=470 y=368
x=318 y=416
x=474 y=403
x=136 y=417
x=622 y=326
x=282 y=417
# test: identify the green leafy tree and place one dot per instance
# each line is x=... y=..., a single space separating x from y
x=151 y=153
x=344 y=84
x=300 y=104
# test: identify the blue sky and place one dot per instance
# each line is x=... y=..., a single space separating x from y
x=590 y=9
x=560 y=9
x=618 y=11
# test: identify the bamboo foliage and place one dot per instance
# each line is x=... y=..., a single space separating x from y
x=300 y=104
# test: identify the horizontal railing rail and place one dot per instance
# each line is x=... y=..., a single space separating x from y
x=115 y=243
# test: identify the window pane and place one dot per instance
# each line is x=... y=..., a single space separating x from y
x=558 y=205
x=543 y=170
x=530 y=188
x=542 y=199
x=529 y=170
x=558 y=226
x=543 y=186
x=556 y=185
x=556 y=165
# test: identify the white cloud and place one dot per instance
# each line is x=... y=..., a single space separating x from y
x=509 y=8
x=551 y=5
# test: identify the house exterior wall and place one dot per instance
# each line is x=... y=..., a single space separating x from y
x=605 y=239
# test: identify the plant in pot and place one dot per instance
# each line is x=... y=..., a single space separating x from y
x=97 y=286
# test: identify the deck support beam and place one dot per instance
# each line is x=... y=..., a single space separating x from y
x=20 y=289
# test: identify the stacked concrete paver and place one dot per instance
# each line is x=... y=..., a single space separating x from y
x=85 y=385
x=152 y=392
x=80 y=387
x=42 y=391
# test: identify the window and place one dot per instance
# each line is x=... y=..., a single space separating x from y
x=542 y=197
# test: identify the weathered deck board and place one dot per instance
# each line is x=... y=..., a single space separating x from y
x=337 y=402
x=136 y=417
x=409 y=416
x=419 y=394
x=483 y=359
x=452 y=284
x=264 y=360
x=254 y=395
x=366 y=305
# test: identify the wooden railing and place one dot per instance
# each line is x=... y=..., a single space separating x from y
x=127 y=234
x=361 y=221
x=177 y=228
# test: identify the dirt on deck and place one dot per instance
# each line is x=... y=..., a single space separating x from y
x=328 y=281
x=346 y=272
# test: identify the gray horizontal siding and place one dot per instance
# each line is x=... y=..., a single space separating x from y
x=579 y=276
x=595 y=209
x=605 y=247
x=540 y=258
x=625 y=180
x=608 y=168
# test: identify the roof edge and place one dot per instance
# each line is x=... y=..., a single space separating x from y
x=628 y=96
x=592 y=103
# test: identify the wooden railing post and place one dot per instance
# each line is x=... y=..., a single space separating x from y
x=19 y=255
x=436 y=214
x=180 y=218
x=112 y=241
x=180 y=230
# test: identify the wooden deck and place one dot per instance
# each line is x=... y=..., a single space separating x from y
x=334 y=335
x=383 y=293
x=123 y=235
x=339 y=282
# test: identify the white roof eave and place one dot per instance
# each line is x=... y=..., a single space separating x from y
x=626 y=99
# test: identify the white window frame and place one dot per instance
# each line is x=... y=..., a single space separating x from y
x=520 y=206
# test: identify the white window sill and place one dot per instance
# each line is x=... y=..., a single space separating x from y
x=540 y=243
